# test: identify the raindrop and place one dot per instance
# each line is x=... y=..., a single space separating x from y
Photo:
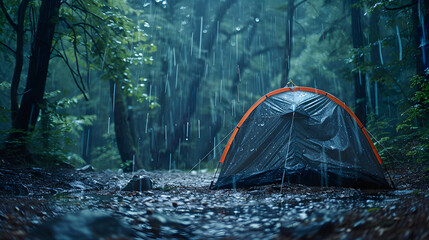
x=134 y=162
x=199 y=129
x=174 y=56
x=214 y=147
x=147 y=121
x=201 y=37
x=187 y=131
x=114 y=96
x=108 y=125
x=380 y=52
x=169 y=165
x=165 y=136
x=192 y=42
x=399 y=43
x=177 y=74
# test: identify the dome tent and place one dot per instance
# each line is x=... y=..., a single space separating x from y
x=301 y=135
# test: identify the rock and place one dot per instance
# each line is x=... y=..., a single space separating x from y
x=17 y=189
x=87 y=168
x=309 y=231
x=78 y=185
x=83 y=225
x=139 y=183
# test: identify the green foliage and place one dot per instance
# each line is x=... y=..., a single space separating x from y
x=107 y=156
x=414 y=130
x=411 y=143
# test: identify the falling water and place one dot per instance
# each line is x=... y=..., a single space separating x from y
x=147 y=121
x=201 y=37
x=192 y=42
x=217 y=33
x=165 y=136
x=220 y=90
x=214 y=147
x=150 y=92
x=380 y=52
x=166 y=84
x=134 y=162
x=169 y=165
x=177 y=74
x=114 y=96
x=174 y=56
x=399 y=43
x=187 y=131
x=108 y=125
x=199 y=129
x=423 y=39
x=236 y=47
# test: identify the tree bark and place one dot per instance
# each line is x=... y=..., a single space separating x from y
x=38 y=66
x=19 y=59
x=360 y=81
x=125 y=140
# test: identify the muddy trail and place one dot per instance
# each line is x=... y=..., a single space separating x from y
x=85 y=204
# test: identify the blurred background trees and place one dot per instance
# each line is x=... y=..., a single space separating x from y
x=158 y=84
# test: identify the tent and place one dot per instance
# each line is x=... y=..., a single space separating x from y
x=300 y=135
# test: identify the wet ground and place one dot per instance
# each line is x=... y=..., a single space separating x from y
x=71 y=204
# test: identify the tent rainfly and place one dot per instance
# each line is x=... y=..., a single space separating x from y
x=300 y=135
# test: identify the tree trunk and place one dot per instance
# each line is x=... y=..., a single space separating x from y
x=125 y=140
x=38 y=66
x=360 y=81
x=288 y=43
x=32 y=100
x=197 y=69
x=19 y=59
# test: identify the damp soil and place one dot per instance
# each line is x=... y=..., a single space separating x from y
x=85 y=204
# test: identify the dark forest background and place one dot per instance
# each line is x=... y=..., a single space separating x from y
x=161 y=83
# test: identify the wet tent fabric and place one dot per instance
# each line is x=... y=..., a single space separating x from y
x=306 y=134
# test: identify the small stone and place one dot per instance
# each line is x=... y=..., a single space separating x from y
x=139 y=183
x=87 y=168
x=17 y=189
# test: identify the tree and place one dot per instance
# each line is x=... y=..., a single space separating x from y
x=359 y=80
x=76 y=33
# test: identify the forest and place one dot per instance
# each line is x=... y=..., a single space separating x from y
x=128 y=88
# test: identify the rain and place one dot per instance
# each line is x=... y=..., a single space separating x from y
x=228 y=119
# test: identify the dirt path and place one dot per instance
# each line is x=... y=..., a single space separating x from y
x=70 y=204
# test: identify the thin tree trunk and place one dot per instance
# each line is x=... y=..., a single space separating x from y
x=125 y=140
x=38 y=66
x=32 y=100
x=19 y=58
x=360 y=81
